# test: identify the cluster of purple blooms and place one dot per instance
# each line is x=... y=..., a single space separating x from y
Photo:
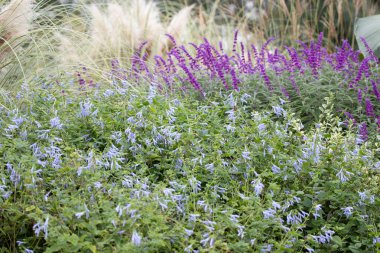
x=205 y=63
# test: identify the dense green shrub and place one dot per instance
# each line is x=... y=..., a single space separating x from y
x=126 y=170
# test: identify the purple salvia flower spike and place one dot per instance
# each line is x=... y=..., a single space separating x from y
x=372 y=55
x=369 y=108
x=235 y=41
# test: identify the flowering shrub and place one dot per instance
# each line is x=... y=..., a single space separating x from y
x=303 y=76
x=117 y=170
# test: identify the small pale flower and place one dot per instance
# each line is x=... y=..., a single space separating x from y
x=261 y=127
x=266 y=248
x=279 y=111
x=245 y=155
x=38 y=227
x=318 y=208
x=258 y=186
x=136 y=238
x=97 y=185
x=270 y=213
x=56 y=123
x=343 y=175
x=276 y=169
x=79 y=215
x=189 y=232
x=276 y=205
x=234 y=218
x=241 y=231
x=189 y=249
x=347 y=211
x=363 y=196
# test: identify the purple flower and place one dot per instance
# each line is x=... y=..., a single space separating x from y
x=360 y=96
x=171 y=38
x=364 y=68
x=235 y=41
x=363 y=132
x=369 y=108
x=375 y=90
x=192 y=78
x=372 y=55
x=81 y=81
x=264 y=75
x=235 y=80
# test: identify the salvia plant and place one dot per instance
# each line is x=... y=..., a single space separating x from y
x=303 y=76
x=122 y=169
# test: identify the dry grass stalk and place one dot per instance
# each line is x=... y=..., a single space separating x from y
x=15 y=18
x=116 y=29
x=15 y=22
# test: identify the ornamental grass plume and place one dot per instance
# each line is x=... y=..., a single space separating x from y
x=116 y=30
x=15 y=19
x=117 y=26
x=177 y=27
x=15 y=22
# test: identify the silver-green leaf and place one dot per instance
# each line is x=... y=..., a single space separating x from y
x=369 y=29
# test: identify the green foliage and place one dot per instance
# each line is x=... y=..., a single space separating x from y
x=117 y=170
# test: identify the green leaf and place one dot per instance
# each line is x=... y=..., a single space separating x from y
x=369 y=29
x=337 y=240
x=30 y=208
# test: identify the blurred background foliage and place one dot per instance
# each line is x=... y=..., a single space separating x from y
x=286 y=20
x=290 y=20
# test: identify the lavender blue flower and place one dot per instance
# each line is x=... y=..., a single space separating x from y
x=258 y=186
x=241 y=231
x=270 y=213
x=86 y=109
x=347 y=211
x=318 y=209
x=344 y=175
x=44 y=227
x=136 y=238
x=56 y=123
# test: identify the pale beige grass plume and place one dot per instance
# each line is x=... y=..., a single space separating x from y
x=116 y=29
x=15 y=22
x=15 y=18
